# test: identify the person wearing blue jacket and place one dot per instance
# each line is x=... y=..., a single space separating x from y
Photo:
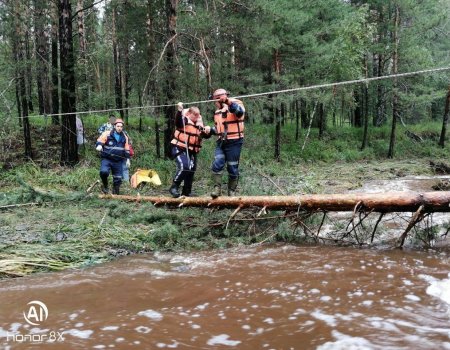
x=114 y=147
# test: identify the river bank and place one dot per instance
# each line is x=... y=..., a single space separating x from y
x=71 y=230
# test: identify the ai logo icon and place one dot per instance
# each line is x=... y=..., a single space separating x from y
x=37 y=313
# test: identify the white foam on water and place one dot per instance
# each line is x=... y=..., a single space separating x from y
x=202 y=306
x=346 y=342
x=367 y=303
x=79 y=333
x=269 y=320
x=273 y=291
x=222 y=339
x=3 y=333
x=143 y=329
x=407 y=283
x=110 y=328
x=35 y=330
x=325 y=298
x=258 y=331
x=79 y=324
x=160 y=273
x=439 y=288
x=412 y=297
x=384 y=325
x=170 y=346
x=120 y=340
x=99 y=346
x=152 y=314
x=328 y=319
x=314 y=291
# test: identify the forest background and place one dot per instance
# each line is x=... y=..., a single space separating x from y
x=137 y=59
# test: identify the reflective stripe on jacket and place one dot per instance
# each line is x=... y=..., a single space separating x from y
x=113 y=149
x=231 y=126
x=188 y=134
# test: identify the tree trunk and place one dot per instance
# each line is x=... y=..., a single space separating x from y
x=365 y=99
x=117 y=70
x=151 y=92
x=69 y=149
x=171 y=75
x=19 y=50
x=277 y=154
x=42 y=55
x=303 y=113
x=445 y=119
x=28 y=64
x=277 y=72
x=322 y=120
x=377 y=202
x=126 y=78
x=55 y=61
x=395 y=83
x=18 y=101
x=83 y=101
x=379 y=115
x=297 y=120
x=357 y=121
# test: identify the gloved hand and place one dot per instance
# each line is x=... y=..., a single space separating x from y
x=99 y=148
x=128 y=163
x=180 y=106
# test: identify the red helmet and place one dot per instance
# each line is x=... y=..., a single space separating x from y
x=119 y=121
x=220 y=92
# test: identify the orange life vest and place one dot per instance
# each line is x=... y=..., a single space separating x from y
x=189 y=135
x=230 y=127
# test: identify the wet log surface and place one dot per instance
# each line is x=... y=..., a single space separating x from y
x=438 y=201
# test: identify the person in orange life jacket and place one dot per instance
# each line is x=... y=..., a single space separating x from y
x=229 y=126
x=186 y=144
x=114 y=148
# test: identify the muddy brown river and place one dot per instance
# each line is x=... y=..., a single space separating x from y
x=278 y=297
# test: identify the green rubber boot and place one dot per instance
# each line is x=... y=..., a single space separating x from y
x=217 y=189
x=232 y=186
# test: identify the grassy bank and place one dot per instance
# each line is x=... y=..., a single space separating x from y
x=66 y=228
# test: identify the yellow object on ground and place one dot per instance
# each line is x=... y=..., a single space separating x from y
x=145 y=176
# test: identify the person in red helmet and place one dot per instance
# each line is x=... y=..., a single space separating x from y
x=114 y=148
x=229 y=126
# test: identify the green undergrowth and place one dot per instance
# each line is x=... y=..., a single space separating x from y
x=61 y=234
x=60 y=226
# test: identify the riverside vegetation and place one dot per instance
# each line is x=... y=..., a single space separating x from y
x=61 y=226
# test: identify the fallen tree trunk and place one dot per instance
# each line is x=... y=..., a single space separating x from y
x=377 y=202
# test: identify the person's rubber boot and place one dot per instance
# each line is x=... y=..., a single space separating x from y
x=116 y=189
x=105 y=189
x=232 y=186
x=187 y=191
x=217 y=189
x=174 y=191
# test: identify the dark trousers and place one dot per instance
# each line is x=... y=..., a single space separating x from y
x=227 y=152
x=186 y=162
x=115 y=167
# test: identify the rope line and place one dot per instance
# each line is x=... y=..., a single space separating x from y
x=275 y=92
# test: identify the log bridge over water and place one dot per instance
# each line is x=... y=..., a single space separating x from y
x=421 y=204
